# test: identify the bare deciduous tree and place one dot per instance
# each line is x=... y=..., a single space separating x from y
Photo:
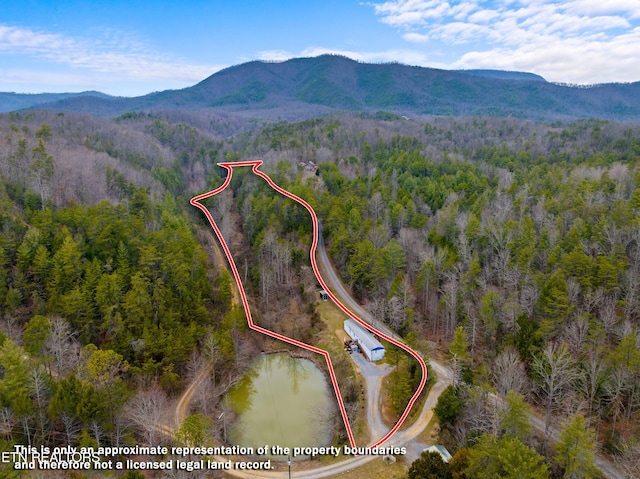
x=450 y=303
x=41 y=394
x=62 y=345
x=608 y=315
x=629 y=460
x=7 y=422
x=148 y=410
x=12 y=327
x=592 y=381
x=554 y=371
x=71 y=426
x=508 y=373
x=480 y=415
x=529 y=298
x=376 y=206
x=576 y=334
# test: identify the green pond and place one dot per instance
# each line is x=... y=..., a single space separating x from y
x=282 y=401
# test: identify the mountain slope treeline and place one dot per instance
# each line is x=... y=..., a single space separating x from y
x=514 y=243
x=509 y=247
x=108 y=293
x=306 y=87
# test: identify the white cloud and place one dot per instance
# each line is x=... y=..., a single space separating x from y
x=114 y=53
x=483 y=16
x=630 y=8
x=416 y=37
x=47 y=80
x=597 y=61
x=461 y=32
x=274 y=55
x=408 y=57
x=411 y=12
x=578 y=41
x=23 y=41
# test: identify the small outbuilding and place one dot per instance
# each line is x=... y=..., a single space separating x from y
x=324 y=296
x=368 y=344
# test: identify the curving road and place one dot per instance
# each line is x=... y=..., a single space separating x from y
x=392 y=437
x=400 y=438
x=442 y=371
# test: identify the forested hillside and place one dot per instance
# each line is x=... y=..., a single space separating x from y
x=108 y=299
x=302 y=88
x=512 y=247
x=517 y=241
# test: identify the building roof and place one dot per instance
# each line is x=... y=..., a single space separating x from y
x=446 y=455
x=364 y=336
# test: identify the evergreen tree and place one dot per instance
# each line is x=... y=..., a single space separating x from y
x=553 y=305
x=42 y=171
x=429 y=466
x=459 y=353
x=504 y=458
x=449 y=405
x=196 y=430
x=514 y=420
x=575 y=450
x=35 y=334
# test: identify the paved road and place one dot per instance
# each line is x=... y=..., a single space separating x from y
x=402 y=438
x=445 y=374
x=331 y=277
x=405 y=437
x=373 y=374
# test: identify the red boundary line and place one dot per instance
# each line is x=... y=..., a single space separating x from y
x=255 y=165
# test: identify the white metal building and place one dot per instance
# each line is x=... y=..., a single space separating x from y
x=370 y=346
x=446 y=455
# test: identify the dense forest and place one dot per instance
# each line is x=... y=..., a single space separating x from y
x=511 y=248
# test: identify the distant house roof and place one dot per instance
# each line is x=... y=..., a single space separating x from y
x=364 y=335
x=446 y=455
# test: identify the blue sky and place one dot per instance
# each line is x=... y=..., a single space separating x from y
x=137 y=46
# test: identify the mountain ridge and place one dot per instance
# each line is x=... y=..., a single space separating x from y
x=331 y=82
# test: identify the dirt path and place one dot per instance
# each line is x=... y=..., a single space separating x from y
x=405 y=437
x=184 y=402
x=222 y=264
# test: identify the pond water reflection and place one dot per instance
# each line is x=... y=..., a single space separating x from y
x=282 y=401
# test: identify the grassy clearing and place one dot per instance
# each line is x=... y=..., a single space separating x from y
x=329 y=341
x=375 y=469
x=331 y=315
x=430 y=433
